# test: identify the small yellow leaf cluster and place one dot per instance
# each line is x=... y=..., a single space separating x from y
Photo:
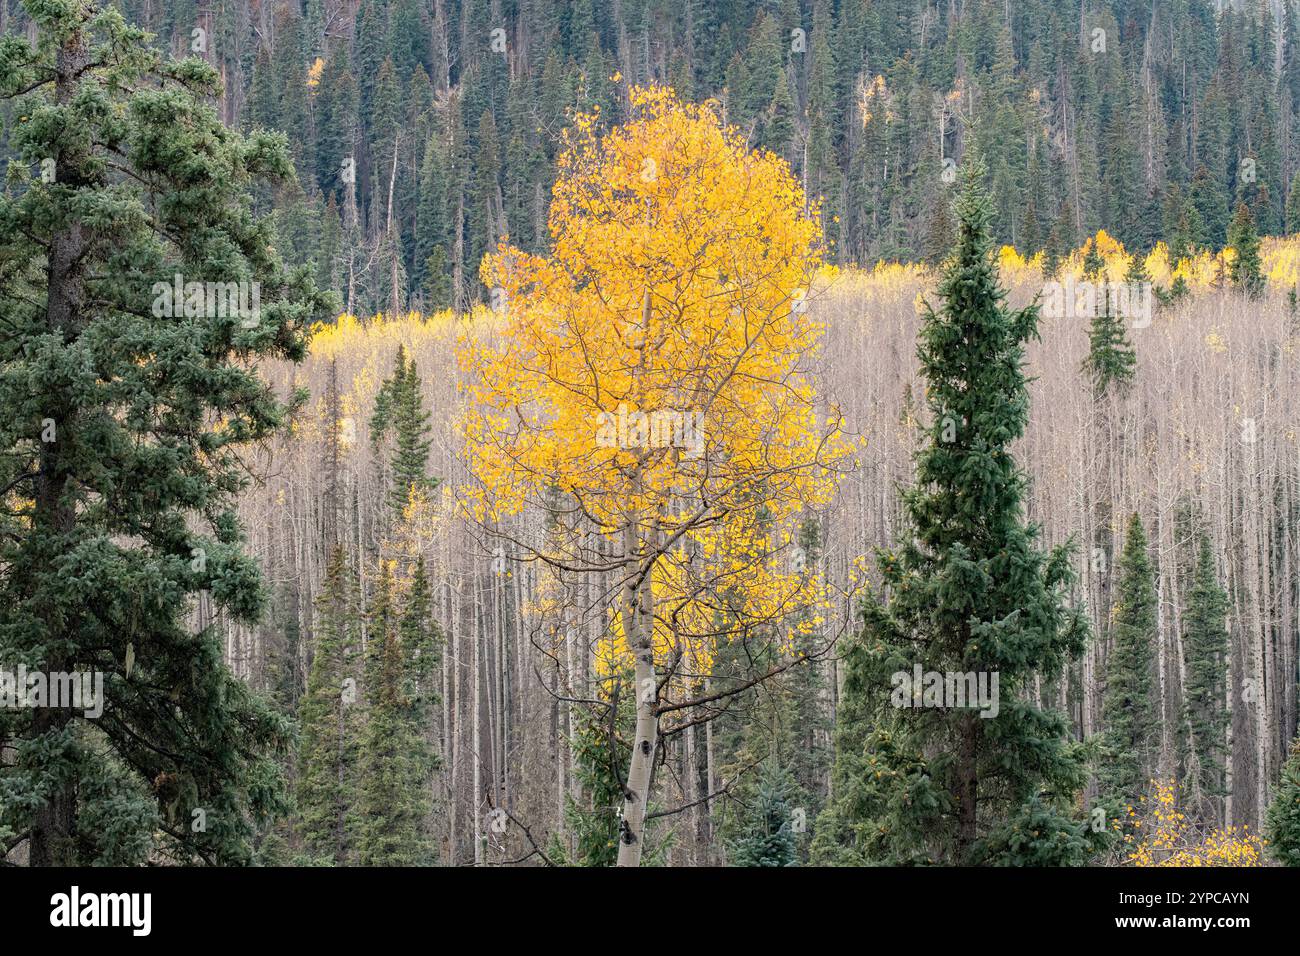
x=1170 y=839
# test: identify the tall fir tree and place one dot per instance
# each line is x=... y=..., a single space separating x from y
x=592 y=817
x=1293 y=205
x=1127 y=712
x=327 y=743
x=1111 y=361
x=970 y=591
x=1205 y=649
x=1246 y=269
x=391 y=807
x=399 y=410
x=123 y=416
x=421 y=642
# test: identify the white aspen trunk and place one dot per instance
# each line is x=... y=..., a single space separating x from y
x=477 y=707
x=638 y=628
x=395 y=305
x=1160 y=766
x=708 y=780
x=450 y=663
x=560 y=735
x=496 y=692
x=570 y=778
x=692 y=792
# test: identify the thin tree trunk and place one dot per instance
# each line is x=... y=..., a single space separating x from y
x=637 y=611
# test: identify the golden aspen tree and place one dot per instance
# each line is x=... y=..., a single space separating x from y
x=650 y=384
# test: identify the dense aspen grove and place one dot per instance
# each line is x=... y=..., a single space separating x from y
x=661 y=433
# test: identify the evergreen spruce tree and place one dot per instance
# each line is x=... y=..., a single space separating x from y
x=778 y=118
x=1178 y=289
x=1127 y=712
x=845 y=834
x=1210 y=198
x=391 y=806
x=970 y=591
x=1110 y=362
x=399 y=409
x=121 y=416
x=1245 y=270
x=411 y=442
x=432 y=234
x=421 y=644
x=772 y=728
x=808 y=752
x=1094 y=266
x=1187 y=232
x=1283 y=823
x=938 y=238
x=1136 y=274
x=767 y=836
x=327 y=738
x=1205 y=647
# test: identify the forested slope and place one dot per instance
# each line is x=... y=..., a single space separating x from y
x=423 y=131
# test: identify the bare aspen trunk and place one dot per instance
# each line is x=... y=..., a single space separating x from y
x=395 y=304
x=692 y=775
x=496 y=689
x=477 y=749
x=638 y=627
x=708 y=778
x=448 y=748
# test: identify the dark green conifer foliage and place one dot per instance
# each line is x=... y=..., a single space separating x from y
x=1205 y=648
x=399 y=410
x=970 y=590
x=327 y=743
x=1245 y=270
x=1293 y=205
x=767 y=834
x=593 y=818
x=421 y=644
x=124 y=516
x=778 y=118
x=1283 y=824
x=393 y=794
x=421 y=647
x=845 y=833
x=1127 y=712
x=1110 y=362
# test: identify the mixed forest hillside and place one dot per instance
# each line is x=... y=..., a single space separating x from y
x=660 y=432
